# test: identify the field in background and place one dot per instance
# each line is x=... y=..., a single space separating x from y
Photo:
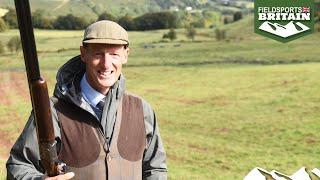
x=224 y=107
x=242 y=46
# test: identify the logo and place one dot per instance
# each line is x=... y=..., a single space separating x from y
x=284 y=20
x=262 y=174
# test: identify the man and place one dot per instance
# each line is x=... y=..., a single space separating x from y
x=103 y=132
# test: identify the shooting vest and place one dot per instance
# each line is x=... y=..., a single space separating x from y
x=89 y=154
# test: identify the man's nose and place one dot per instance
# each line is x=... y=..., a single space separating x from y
x=107 y=60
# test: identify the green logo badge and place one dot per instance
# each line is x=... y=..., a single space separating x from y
x=284 y=20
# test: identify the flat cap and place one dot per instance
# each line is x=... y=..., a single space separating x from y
x=105 y=32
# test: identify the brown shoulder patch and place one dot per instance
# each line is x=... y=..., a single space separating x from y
x=132 y=136
x=80 y=146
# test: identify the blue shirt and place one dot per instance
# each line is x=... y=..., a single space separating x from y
x=92 y=96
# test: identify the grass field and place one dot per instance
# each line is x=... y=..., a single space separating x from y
x=223 y=107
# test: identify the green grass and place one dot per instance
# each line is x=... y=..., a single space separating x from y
x=2 y=169
x=218 y=122
x=224 y=107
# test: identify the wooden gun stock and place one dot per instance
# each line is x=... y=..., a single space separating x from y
x=38 y=92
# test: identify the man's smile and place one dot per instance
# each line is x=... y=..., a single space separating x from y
x=105 y=74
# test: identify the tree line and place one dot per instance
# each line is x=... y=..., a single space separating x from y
x=149 y=21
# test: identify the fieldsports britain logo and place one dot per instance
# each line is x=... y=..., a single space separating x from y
x=284 y=20
x=302 y=174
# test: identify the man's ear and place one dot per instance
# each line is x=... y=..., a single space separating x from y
x=127 y=50
x=83 y=53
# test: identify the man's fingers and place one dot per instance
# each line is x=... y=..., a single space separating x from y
x=66 y=176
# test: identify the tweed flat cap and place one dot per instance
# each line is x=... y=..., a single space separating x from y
x=105 y=32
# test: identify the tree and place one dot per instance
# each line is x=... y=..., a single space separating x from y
x=107 y=16
x=220 y=34
x=159 y=20
x=39 y=21
x=37 y=17
x=317 y=17
x=11 y=18
x=191 y=33
x=317 y=26
x=47 y=23
x=172 y=35
x=3 y=25
x=200 y=23
x=237 y=16
x=127 y=22
x=1 y=48
x=225 y=20
x=70 y=22
x=14 y=44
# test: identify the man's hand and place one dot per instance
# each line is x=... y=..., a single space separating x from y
x=68 y=175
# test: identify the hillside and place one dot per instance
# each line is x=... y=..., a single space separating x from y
x=91 y=8
x=242 y=29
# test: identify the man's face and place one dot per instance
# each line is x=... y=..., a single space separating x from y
x=103 y=64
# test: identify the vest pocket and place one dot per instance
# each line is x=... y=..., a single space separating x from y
x=79 y=142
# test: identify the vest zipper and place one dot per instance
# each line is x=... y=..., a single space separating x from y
x=106 y=145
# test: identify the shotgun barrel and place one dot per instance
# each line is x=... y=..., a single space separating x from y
x=38 y=92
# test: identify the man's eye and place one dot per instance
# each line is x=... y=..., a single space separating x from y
x=97 y=54
x=116 y=56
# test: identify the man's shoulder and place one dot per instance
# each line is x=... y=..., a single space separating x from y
x=128 y=93
x=148 y=113
x=58 y=103
x=145 y=104
x=55 y=100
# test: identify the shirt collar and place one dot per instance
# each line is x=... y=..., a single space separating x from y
x=92 y=96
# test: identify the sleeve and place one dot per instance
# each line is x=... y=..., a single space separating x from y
x=24 y=158
x=154 y=161
x=23 y=162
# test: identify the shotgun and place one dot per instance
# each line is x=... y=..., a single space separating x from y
x=38 y=93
